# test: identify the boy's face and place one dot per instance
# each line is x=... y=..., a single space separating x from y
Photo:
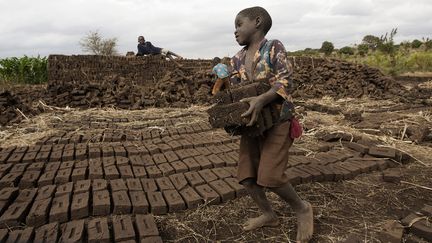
x=244 y=29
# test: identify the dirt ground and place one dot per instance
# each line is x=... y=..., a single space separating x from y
x=354 y=209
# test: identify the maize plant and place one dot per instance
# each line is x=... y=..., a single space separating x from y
x=24 y=70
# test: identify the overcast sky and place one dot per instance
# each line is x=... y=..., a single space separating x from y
x=201 y=28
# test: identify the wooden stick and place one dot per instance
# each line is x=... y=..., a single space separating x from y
x=22 y=114
x=417 y=185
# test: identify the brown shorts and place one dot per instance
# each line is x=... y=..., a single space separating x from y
x=265 y=158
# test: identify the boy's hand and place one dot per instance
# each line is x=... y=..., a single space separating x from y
x=255 y=106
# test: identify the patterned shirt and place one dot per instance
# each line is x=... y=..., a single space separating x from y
x=273 y=67
x=221 y=70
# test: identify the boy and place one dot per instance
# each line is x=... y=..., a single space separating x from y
x=222 y=74
x=146 y=48
x=263 y=159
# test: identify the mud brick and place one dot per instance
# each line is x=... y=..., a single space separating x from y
x=118 y=185
x=185 y=144
x=139 y=202
x=121 y=160
x=171 y=156
x=34 y=148
x=82 y=186
x=125 y=171
x=304 y=176
x=239 y=189
x=26 y=195
x=341 y=173
x=47 y=233
x=4 y=157
x=353 y=168
x=427 y=210
x=8 y=149
x=59 y=209
x=223 y=189
x=101 y=203
x=149 y=185
x=108 y=161
x=192 y=164
x=53 y=157
x=107 y=151
x=3 y=235
x=152 y=148
x=123 y=228
x=79 y=174
x=392 y=175
x=136 y=160
x=383 y=152
x=175 y=145
x=174 y=201
x=166 y=169
x=179 y=181
x=81 y=146
x=146 y=226
x=207 y=175
x=81 y=154
x=28 y=157
x=147 y=160
x=194 y=178
x=134 y=184
x=164 y=183
x=209 y=195
x=155 y=133
x=81 y=164
x=316 y=174
x=8 y=194
x=131 y=150
x=68 y=155
x=4 y=169
x=232 y=171
x=15 y=158
x=159 y=158
x=328 y=174
x=191 y=197
x=38 y=214
x=356 y=147
x=228 y=115
x=99 y=184
x=55 y=147
x=364 y=164
x=79 y=206
x=67 y=165
x=203 y=151
x=15 y=214
x=193 y=152
x=11 y=179
x=216 y=161
x=63 y=176
x=65 y=189
x=69 y=146
x=42 y=156
x=95 y=172
x=120 y=151
x=29 y=179
x=25 y=235
x=53 y=166
x=157 y=203
x=73 y=231
x=179 y=166
x=423 y=229
x=111 y=172
x=293 y=177
x=94 y=152
x=121 y=202
x=139 y=171
x=183 y=154
x=229 y=161
x=36 y=166
x=164 y=147
x=98 y=231
x=46 y=178
x=221 y=173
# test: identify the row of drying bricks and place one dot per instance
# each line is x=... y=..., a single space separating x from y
x=119 y=228
x=71 y=201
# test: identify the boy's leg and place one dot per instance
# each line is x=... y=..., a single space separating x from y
x=217 y=86
x=302 y=209
x=268 y=217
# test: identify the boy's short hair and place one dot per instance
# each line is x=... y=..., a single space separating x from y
x=254 y=12
x=216 y=60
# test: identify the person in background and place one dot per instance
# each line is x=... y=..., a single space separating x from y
x=147 y=48
x=220 y=69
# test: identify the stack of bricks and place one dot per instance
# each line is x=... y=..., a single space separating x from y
x=229 y=107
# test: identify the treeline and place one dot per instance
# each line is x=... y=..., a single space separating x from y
x=381 y=52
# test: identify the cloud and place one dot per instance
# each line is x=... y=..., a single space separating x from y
x=201 y=28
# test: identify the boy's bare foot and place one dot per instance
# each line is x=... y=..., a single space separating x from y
x=305 y=224
x=261 y=221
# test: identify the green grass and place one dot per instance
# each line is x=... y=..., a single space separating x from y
x=23 y=70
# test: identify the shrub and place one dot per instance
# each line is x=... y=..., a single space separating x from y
x=416 y=44
x=347 y=50
x=327 y=48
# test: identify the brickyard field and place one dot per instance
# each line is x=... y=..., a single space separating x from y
x=125 y=149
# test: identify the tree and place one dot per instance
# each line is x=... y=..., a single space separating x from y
x=427 y=43
x=327 y=47
x=386 y=44
x=95 y=44
x=362 y=49
x=416 y=44
x=371 y=41
x=347 y=50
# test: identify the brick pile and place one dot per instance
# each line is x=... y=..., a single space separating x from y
x=9 y=105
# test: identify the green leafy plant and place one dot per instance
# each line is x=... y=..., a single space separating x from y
x=24 y=70
x=327 y=48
